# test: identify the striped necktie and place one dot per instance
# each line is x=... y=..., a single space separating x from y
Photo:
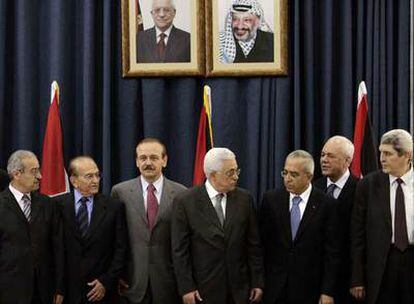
x=26 y=207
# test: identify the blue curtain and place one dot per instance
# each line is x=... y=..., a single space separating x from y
x=333 y=45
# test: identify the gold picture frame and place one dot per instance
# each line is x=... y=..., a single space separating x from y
x=192 y=63
x=222 y=47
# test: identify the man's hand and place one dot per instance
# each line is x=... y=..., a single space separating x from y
x=58 y=299
x=325 y=299
x=191 y=297
x=255 y=294
x=122 y=286
x=358 y=292
x=97 y=292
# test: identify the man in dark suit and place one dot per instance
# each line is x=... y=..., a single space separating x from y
x=382 y=226
x=339 y=183
x=31 y=251
x=148 y=201
x=299 y=235
x=95 y=236
x=246 y=37
x=4 y=179
x=215 y=241
x=163 y=42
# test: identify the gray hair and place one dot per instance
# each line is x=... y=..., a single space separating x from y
x=346 y=145
x=74 y=163
x=172 y=3
x=15 y=162
x=213 y=161
x=309 y=163
x=401 y=141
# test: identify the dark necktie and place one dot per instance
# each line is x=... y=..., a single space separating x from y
x=161 y=46
x=82 y=217
x=152 y=206
x=330 y=190
x=219 y=208
x=26 y=207
x=400 y=224
x=295 y=216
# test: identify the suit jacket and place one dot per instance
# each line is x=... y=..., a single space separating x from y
x=29 y=251
x=150 y=251
x=100 y=254
x=371 y=232
x=4 y=180
x=177 y=49
x=216 y=261
x=262 y=50
x=345 y=204
x=305 y=268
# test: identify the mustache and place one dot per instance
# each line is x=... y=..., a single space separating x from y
x=148 y=167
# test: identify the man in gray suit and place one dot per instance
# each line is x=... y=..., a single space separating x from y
x=149 y=277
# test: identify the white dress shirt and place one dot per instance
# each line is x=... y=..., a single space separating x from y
x=212 y=194
x=158 y=184
x=18 y=196
x=167 y=33
x=340 y=183
x=304 y=200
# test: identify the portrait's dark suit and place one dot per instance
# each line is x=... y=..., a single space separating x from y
x=100 y=254
x=149 y=259
x=371 y=232
x=345 y=203
x=4 y=180
x=29 y=252
x=301 y=270
x=261 y=52
x=218 y=262
x=177 y=48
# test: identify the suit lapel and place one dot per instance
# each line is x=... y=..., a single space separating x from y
x=231 y=206
x=383 y=187
x=14 y=206
x=98 y=214
x=285 y=217
x=136 y=195
x=165 y=202
x=206 y=207
x=35 y=206
x=310 y=209
x=69 y=214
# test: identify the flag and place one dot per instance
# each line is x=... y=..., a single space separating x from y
x=54 y=178
x=140 y=22
x=365 y=155
x=204 y=137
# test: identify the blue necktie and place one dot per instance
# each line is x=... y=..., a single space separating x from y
x=330 y=190
x=295 y=216
x=82 y=217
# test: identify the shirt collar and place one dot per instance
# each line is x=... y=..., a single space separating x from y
x=166 y=32
x=304 y=195
x=212 y=193
x=17 y=194
x=407 y=177
x=157 y=184
x=340 y=183
x=79 y=195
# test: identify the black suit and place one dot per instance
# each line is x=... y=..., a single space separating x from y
x=221 y=263
x=371 y=233
x=345 y=203
x=4 y=180
x=100 y=254
x=262 y=50
x=31 y=255
x=177 y=48
x=299 y=271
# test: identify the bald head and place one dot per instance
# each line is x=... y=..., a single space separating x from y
x=336 y=157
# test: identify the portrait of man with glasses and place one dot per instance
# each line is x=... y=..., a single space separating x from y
x=163 y=42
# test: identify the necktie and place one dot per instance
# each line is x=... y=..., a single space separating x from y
x=330 y=190
x=82 y=217
x=152 y=206
x=295 y=216
x=400 y=224
x=219 y=208
x=161 y=46
x=26 y=207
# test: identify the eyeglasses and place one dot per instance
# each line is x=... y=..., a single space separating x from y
x=33 y=171
x=166 y=10
x=90 y=176
x=285 y=173
x=233 y=172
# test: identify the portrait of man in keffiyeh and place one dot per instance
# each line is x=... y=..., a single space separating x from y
x=246 y=36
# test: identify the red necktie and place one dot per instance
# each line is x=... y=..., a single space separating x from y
x=161 y=46
x=400 y=223
x=152 y=206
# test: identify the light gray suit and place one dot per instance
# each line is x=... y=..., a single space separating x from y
x=150 y=251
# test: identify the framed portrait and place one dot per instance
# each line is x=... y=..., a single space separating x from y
x=246 y=37
x=163 y=37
